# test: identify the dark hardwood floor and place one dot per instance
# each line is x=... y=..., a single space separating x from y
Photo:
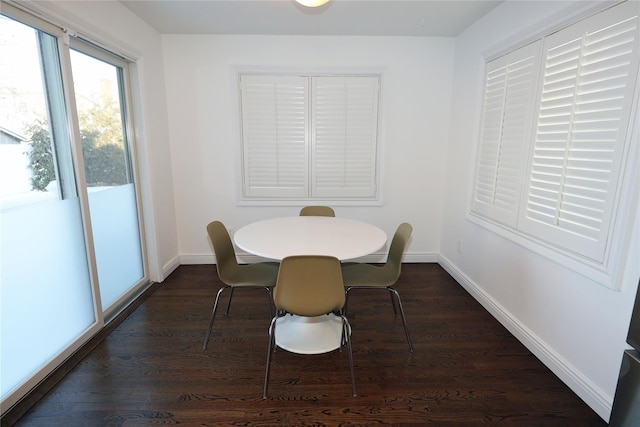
x=467 y=370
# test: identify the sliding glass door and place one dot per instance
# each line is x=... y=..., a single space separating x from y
x=71 y=252
x=99 y=87
x=46 y=298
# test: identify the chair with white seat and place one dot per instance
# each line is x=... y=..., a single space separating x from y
x=309 y=286
x=369 y=276
x=234 y=275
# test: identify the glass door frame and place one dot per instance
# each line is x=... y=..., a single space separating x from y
x=88 y=48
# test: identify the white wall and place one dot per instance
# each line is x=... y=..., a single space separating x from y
x=431 y=104
x=203 y=121
x=118 y=29
x=574 y=325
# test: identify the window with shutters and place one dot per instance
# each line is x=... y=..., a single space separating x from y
x=556 y=132
x=509 y=96
x=309 y=137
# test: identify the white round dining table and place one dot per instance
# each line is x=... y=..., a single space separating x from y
x=278 y=238
x=342 y=238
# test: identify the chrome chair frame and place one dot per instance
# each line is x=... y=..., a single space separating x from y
x=382 y=277
x=345 y=338
x=233 y=275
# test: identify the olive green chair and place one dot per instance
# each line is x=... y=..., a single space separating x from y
x=234 y=275
x=369 y=276
x=317 y=211
x=309 y=286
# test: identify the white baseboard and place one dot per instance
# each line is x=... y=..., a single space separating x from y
x=591 y=394
x=169 y=267
x=195 y=259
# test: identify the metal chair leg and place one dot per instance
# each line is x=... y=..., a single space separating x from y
x=213 y=315
x=346 y=331
x=404 y=321
x=271 y=305
x=392 y=292
x=346 y=300
x=393 y=304
x=229 y=302
x=268 y=289
x=272 y=339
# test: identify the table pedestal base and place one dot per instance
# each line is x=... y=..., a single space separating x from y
x=309 y=335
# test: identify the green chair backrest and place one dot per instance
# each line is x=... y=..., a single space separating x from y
x=309 y=285
x=396 y=251
x=226 y=262
x=317 y=211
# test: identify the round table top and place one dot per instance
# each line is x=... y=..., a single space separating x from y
x=278 y=238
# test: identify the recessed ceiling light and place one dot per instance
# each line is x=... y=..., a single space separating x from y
x=312 y=3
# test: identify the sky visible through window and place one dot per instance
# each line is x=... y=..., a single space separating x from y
x=23 y=99
x=21 y=92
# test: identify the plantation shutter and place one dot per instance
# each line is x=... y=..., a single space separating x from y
x=581 y=125
x=509 y=93
x=309 y=137
x=345 y=117
x=274 y=132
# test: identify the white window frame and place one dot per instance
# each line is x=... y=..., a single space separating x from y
x=595 y=253
x=321 y=125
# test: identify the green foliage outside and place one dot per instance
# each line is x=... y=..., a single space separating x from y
x=40 y=157
x=103 y=164
x=102 y=148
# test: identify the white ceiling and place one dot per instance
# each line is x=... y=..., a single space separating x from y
x=286 y=17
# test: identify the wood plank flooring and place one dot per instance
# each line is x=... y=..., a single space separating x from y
x=466 y=370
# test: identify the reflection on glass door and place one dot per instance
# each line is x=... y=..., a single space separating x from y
x=99 y=90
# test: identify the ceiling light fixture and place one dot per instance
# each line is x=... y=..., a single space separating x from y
x=312 y=3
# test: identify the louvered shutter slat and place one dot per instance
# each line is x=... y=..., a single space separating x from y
x=509 y=93
x=344 y=111
x=581 y=126
x=274 y=112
